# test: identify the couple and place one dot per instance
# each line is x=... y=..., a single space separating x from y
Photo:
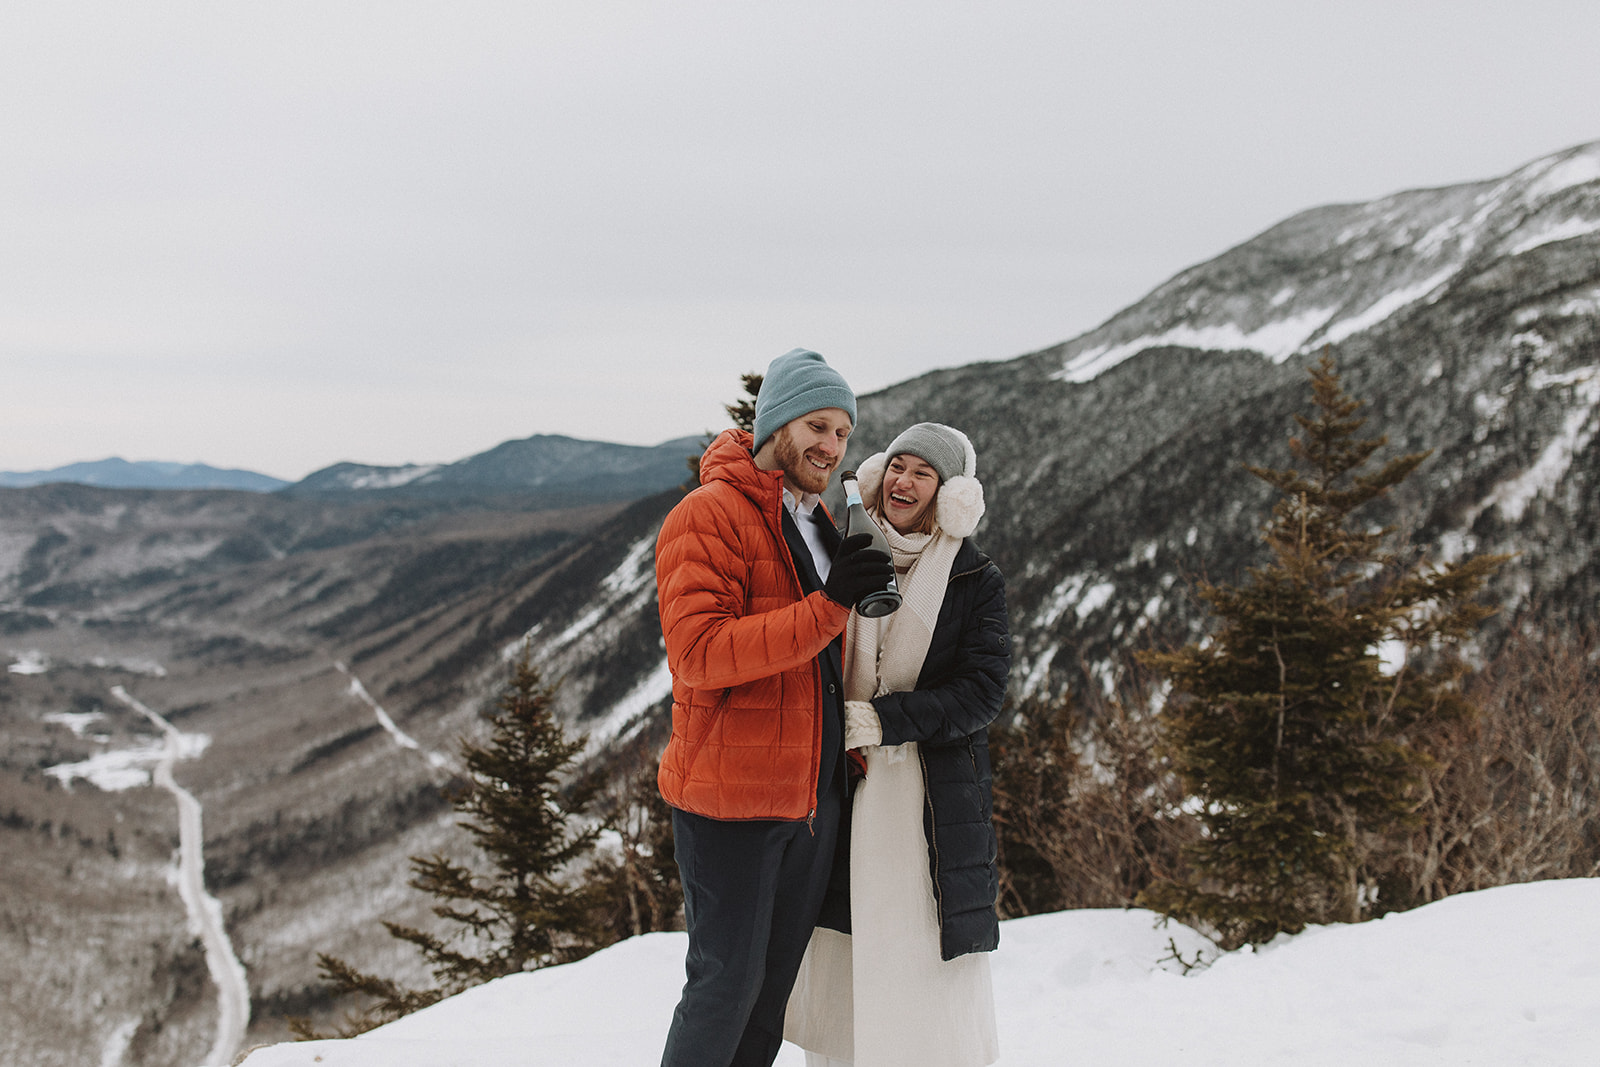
x=871 y=897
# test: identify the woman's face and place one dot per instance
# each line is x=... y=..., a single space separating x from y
x=909 y=486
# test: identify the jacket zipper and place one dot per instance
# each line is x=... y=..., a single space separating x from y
x=976 y=570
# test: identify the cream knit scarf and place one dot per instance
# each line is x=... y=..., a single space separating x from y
x=885 y=655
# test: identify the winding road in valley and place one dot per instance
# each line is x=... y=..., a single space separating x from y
x=205 y=911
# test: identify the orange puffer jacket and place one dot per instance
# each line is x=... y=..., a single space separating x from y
x=742 y=644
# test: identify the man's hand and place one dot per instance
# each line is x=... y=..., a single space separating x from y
x=857 y=570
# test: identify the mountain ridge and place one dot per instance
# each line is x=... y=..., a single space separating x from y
x=118 y=473
x=549 y=463
x=1449 y=228
x=562 y=470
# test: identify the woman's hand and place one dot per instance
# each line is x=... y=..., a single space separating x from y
x=861 y=725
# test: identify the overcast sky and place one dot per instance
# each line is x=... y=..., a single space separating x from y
x=280 y=235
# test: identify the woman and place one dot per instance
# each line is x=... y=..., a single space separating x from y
x=910 y=982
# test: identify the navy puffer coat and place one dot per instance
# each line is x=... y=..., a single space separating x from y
x=958 y=694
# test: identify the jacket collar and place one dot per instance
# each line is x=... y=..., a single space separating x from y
x=728 y=459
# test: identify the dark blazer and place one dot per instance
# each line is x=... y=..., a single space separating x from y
x=959 y=693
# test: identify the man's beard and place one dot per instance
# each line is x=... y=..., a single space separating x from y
x=793 y=463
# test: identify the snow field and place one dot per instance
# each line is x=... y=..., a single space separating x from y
x=1499 y=977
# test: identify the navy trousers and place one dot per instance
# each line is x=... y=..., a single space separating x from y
x=751 y=895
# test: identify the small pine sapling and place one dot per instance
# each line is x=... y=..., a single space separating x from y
x=530 y=910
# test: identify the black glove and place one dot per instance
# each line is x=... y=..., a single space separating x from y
x=857 y=570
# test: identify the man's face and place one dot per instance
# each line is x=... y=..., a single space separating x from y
x=810 y=447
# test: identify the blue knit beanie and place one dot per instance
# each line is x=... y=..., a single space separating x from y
x=798 y=383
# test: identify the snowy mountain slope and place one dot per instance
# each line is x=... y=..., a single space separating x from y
x=1333 y=272
x=1469 y=320
x=1503 y=976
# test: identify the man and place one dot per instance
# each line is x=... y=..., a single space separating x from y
x=755 y=588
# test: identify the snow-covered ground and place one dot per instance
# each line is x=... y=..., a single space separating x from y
x=1504 y=976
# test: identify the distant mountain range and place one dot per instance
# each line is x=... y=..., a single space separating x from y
x=117 y=473
x=560 y=471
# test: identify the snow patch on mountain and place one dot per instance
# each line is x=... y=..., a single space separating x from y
x=1514 y=495
x=1438 y=238
x=636 y=570
x=627 y=715
x=630 y=578
x=1582 y=304
x=1074 y=592
x=1580 y=168
x=116 y=1044
x=401 y=738
x=1382 y=308
x=1094 y=598
x=76 y=721
x=1550 y=233
x=1277 y=340
x=1150 y=612
x=579 y=626
x=1391 y=656
x=1034 y=674
x=30 y=662
x=131 y=664
x=387 y=477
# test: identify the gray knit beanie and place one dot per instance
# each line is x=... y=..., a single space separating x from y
x=944 y=449
x=798 y=383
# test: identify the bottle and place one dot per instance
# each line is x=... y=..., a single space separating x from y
x=856 y=520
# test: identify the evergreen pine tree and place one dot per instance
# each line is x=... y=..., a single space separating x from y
x=531 y=911
x=743 y=414
x=743 y=410
x=1304 y=754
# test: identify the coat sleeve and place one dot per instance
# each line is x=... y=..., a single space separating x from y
x=707 y=571
x=964 y=697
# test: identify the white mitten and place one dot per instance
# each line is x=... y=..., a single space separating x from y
x=861 y=725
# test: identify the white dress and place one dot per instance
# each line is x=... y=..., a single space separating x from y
x=884 y=997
